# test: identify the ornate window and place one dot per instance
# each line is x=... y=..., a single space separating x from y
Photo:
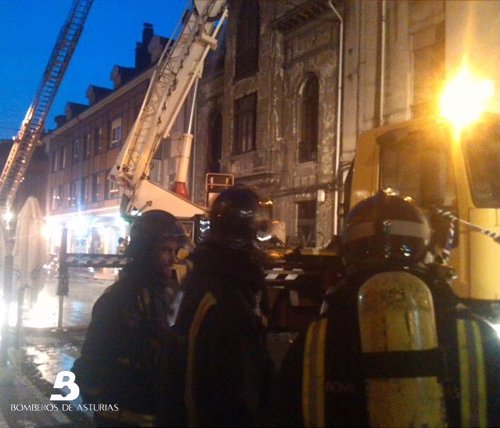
x=306 y=222
x=309 y=120
x=214 y=152
x=247 y=40
x=245 y=118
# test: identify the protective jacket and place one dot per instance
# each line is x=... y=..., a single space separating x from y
x=323 y=379
x=121 y=354
x=223 y=373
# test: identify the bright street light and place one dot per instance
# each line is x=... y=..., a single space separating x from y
x=8 y=215
x=465 y=98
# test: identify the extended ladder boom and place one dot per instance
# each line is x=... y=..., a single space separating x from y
x=179 y=66
x=33 y=124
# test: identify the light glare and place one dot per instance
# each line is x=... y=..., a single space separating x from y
x=464 y=99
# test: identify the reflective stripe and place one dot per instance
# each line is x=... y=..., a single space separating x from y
x=390 y=227
x=206 y=303
x=473 y=395
x=358 y=231
x=313 y=378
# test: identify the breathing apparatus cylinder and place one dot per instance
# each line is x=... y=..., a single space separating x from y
x=399 y=342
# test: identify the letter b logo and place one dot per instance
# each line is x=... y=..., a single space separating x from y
x=65 y=378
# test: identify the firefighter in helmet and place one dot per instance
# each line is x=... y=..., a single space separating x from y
x=224 y=373
x=129 y=328
x=395 y=347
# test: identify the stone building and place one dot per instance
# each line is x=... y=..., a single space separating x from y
x=85 y=145
x=268 y=102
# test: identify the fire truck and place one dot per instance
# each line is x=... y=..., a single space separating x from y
x=453 y=177
x=449 y=162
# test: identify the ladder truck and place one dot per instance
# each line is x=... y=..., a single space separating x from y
x=32 y=126
x=178 y=68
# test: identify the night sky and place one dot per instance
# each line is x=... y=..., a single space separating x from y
x=29 y=29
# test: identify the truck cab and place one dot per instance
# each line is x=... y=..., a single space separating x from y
x=455 y=174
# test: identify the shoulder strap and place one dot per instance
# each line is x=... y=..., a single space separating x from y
x=205 y=304
x=313 y=378
x=473 y=396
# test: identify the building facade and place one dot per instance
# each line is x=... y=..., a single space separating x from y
x=85 y=146
x=268 y=105
x=281 y=103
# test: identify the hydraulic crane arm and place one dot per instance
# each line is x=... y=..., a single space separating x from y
x=180 y=65
x=33 y=124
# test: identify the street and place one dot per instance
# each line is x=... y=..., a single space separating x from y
x=44 y=350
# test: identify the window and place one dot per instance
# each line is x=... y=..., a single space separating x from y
x=111 y=189
x=482 y=154
x=62 y=157
x=417 y=164
x=309 y=121
x=97 y=186
x=53 y=161
x=85 y=192
x=116 y=133
x=155 y=172
x=428 y=68
x=306 y=222
x=245 y=113
x=247 y=40
x=56 y=199
x=62 y=196
x=214 y=152
x=97 y=140
x=75 y=151
x=87 y=146
x=72 y=194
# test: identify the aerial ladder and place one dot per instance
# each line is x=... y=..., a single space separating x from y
x=178 y=68
x=32 y=126
x=28 y=137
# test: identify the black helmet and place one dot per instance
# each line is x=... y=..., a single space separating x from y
x=148 y=228
x=385 y=231
x=237 y=214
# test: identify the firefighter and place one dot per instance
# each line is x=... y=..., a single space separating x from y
x=224 y=374
x=118 y=367
x=395 y=346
